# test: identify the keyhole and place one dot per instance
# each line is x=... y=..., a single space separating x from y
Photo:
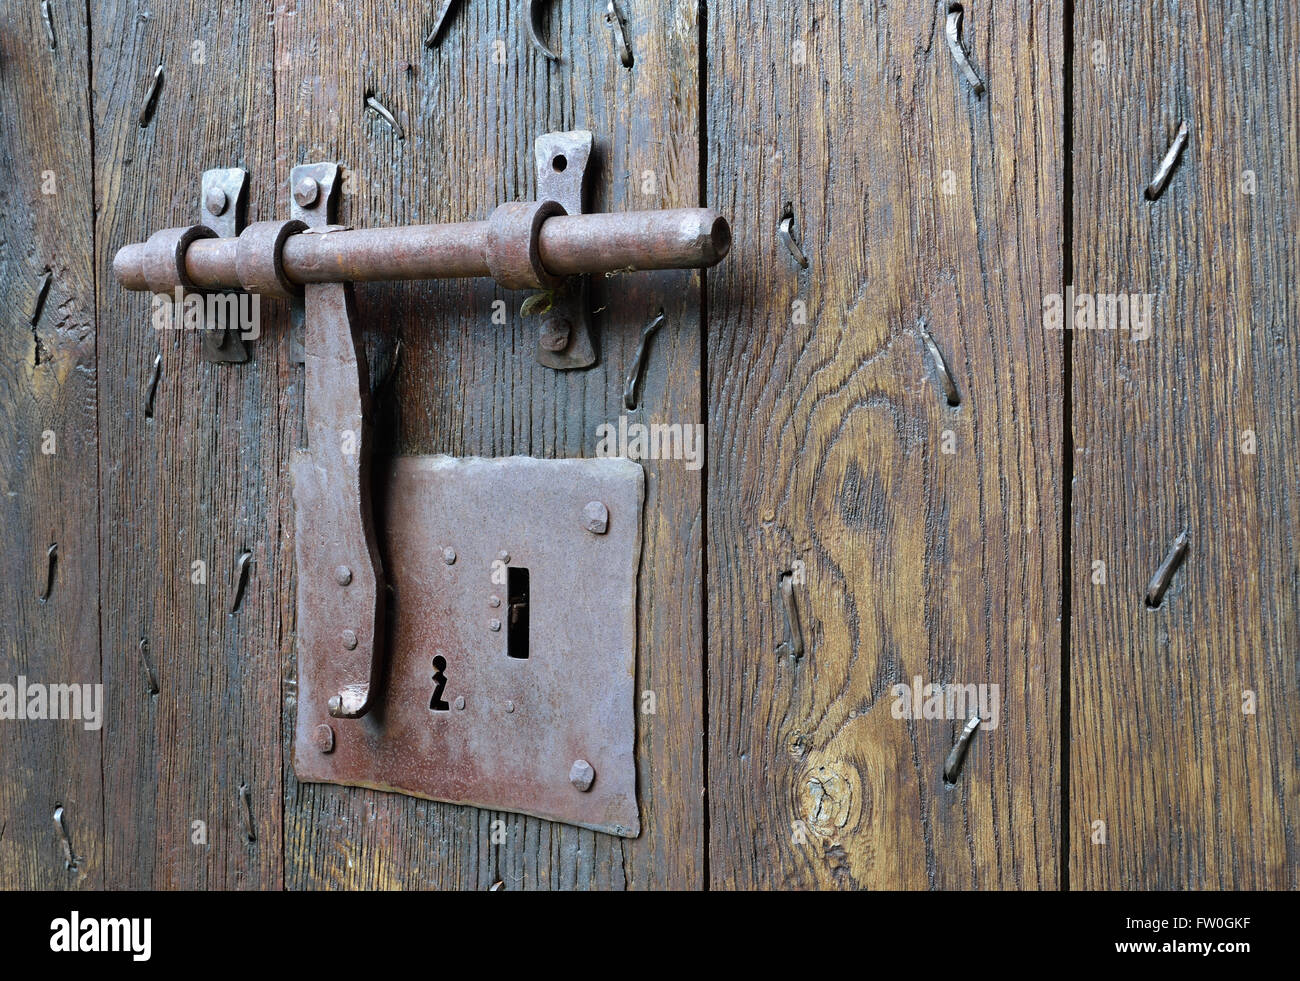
x=436 y=704
x=517 y=613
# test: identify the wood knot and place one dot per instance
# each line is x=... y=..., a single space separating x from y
x=831 y=798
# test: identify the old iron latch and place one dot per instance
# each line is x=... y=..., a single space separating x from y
x=511 y=662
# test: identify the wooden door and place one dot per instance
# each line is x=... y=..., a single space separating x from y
x=856 y=525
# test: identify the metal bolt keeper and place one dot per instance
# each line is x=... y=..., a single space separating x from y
x=512 y=252
x=259 y=258
x=162 y=259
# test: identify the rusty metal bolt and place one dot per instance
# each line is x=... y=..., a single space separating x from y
x=581 y=775
x=306 y=192
x=460 y=703
x=555 y=334
x=216 y=201
x=449 y=555
x=342 y=575
x=350 y=639
x=494 y=624
x=595 y=518
x=323 y=738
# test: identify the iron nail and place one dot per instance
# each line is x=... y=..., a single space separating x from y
x=381 y=110
x=323 y=738
x=449 y=555
x=349 y=638
x=246 y=812
x=494 y=624
x=785 y=232
x=1157 y=185
x=581 y=775
x=146 y=110
x=49 y=22
x=343 y=575
x=793 y=644
x=952 y=766
x=69 y=856
x=941 y=365
x=150 y=677
x=535 y=29
x=1160 y=581
x=958 y=52
x=216 y=201
x=51 y=561
x=439 y=22
x=595 y=517
x=153 y=386
x=638 y=361
x=42 y=291
x=617 y=22
x=459 y=703
x=241 y=580
x=306 y=192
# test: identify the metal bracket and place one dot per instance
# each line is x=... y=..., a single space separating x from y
x=510 y=681
x=224 y=209
x=565 y=339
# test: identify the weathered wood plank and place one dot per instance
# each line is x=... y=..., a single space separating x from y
x=469 y=111
x=827 y=444
x=199 y=480
x=48 y=444
x=1194 y=792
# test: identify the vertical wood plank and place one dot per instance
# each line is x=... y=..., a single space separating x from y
x=1194 y=792
x=48 y=444
x=827 y=437
x=198 y=481
x=470 y=110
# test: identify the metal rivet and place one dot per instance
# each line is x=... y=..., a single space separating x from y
x=510 y=706
x=449 y=556
x=555 y=334
x=216 y=201
x=460 y=703
x=350 y=639
x=595 y=518
x=494 y=601
x=323 y=739
x=306 y=192
x=494 y=624
x=581 y=775
x=503 y=555
x=342 y=575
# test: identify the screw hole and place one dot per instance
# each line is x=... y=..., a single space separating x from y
x=559 y=162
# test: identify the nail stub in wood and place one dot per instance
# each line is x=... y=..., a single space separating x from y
x=950 y=392
x=1157 y=185
x=638 y=362
x=952 y=765
x=434 y=37
x=42 y=291
x=1160 y=581
x=150 y=677
x=953 y=31
x=51 y=561
x=151 y=97
x=793 y=643
x=241 y=581
x=60 y=824
x=246 y=812
x=48 y=18
x=785 y=232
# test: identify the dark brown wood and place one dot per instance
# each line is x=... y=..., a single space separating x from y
x=470 y=110
x=199 y=481
x=826 y=444
x=1194 y=792
x=48 y=441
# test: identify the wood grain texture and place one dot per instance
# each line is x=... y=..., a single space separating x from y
x=48 y=445
x=1194 y=792
x=469 y=111
x=200 y=481
x=826 y=444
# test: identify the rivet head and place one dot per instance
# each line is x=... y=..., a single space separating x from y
x=216 y=201
x=595 y=518
x=460 y=703
x=503 y=555
x=323 y=739
x=510 y=706
x=494 y=601
x=494 y=624
x=581 y=775
x=350 y=639
x=555 y=334
x=342 y=575
x=449 y=555
x=305 y=192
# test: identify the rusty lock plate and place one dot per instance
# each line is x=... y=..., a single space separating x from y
x=490 y=559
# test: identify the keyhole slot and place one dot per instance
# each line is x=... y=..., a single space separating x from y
x=437 y=703
x=517 y=613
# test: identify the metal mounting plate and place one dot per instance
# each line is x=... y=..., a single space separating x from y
x=512 y=728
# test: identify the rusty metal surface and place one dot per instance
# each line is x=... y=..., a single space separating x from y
x=516 y=734
x=224 y=209
x=340 y=575
x=564 y=341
